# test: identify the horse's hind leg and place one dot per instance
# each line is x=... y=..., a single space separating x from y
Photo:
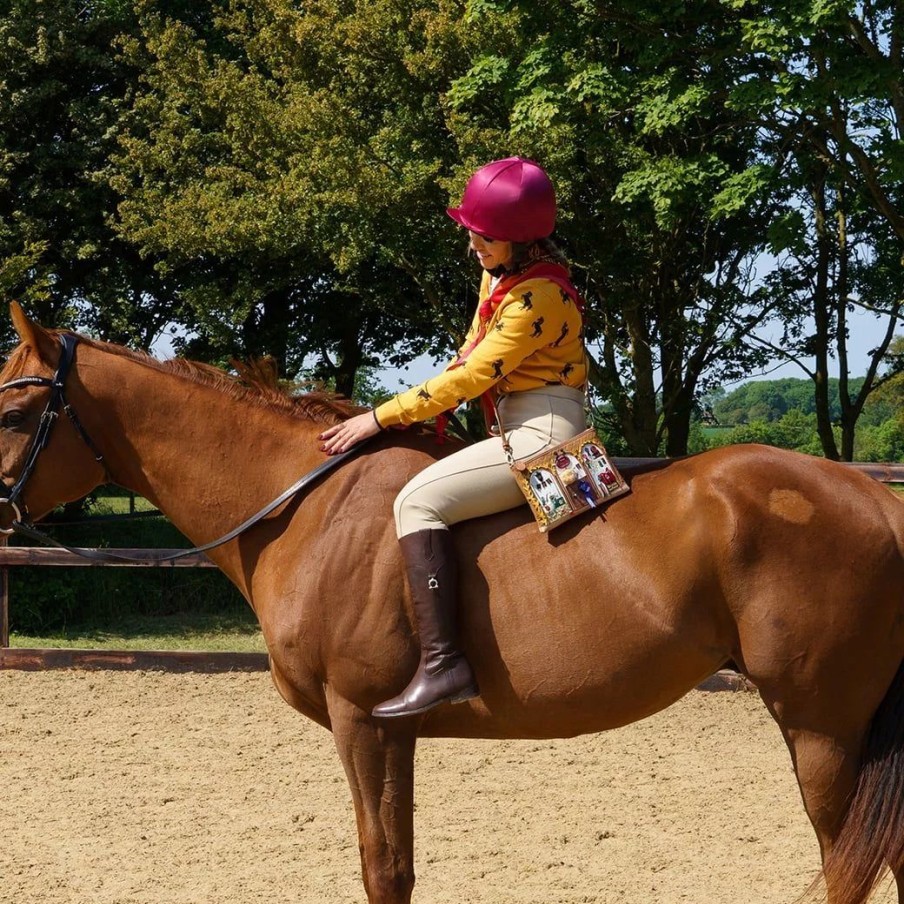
x=379 y=764
x=826 y=762
x=826 y=770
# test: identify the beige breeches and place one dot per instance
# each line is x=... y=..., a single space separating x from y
x=477 y=480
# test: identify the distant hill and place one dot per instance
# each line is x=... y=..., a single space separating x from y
x=770 y=400
x=783 y=413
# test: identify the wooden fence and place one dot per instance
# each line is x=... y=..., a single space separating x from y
x=178 y=660
x=167 y=660
x=884 y=472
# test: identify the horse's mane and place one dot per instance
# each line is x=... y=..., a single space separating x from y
x=256 y=382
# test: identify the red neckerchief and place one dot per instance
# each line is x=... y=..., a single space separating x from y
x=555 y=273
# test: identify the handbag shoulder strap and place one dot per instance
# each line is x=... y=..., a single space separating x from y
x=506 y=445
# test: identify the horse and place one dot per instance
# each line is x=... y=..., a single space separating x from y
x=790 y=566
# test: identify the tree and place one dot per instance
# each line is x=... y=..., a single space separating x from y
x=285 y=164
x=829 y=92
x=61 y=93
x=665 y=205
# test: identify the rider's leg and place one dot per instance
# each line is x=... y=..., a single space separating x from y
x=472 y=482
x=443 y=673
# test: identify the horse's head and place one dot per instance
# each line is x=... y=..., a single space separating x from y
x=44 y=459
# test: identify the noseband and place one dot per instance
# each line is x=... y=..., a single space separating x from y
x=49 y=417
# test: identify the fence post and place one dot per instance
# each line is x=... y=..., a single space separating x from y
x=4 y=600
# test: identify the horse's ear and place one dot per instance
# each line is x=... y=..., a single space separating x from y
x=33 y=334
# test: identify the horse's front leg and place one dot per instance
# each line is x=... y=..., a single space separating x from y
x=379 y=762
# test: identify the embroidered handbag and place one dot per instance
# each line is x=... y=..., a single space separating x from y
x=568 y=479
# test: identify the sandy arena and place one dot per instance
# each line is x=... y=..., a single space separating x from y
x=149 y=788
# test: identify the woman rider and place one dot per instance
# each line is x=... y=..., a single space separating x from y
x=525 y=347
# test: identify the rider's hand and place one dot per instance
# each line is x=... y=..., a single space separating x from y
x=342 y=437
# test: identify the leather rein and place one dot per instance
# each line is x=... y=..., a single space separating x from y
x=22 y=526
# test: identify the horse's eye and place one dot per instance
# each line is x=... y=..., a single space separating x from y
x=13 y=418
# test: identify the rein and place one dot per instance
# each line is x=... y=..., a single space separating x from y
x=42 y=438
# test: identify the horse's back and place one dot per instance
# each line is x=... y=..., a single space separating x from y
x=746 y=553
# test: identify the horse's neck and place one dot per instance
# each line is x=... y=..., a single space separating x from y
x=208 y=460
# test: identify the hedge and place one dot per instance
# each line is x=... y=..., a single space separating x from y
x=50 y=598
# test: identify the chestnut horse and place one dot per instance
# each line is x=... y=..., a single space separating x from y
x=790 y=566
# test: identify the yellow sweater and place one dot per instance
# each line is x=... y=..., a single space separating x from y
x=534 y=338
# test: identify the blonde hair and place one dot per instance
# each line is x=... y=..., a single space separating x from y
x=542 y=251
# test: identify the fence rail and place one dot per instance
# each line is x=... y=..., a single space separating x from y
x=51 y=555
x=885 y=472
x=38 y=660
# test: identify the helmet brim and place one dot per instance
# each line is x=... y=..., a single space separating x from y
x=461 y=218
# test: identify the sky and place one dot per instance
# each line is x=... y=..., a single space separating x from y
x=865 y=333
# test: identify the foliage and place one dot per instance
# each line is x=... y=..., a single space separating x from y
x=768 y=400
x=664 y=206
x=882 y=442
x=62 y=91
x=792 y=430
x=284 y=162
x=829 y=94
x=268 y=177
x=783 y=413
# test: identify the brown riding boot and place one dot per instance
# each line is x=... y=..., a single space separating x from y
x=443 y=673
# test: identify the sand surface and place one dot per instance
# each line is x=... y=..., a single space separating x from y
x=149 y=788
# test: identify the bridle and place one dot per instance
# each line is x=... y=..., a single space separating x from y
x=39 y=442
x=56 y=400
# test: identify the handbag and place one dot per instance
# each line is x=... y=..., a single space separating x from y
x=567 y=479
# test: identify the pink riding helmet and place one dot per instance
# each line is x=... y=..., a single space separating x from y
x=509 y=200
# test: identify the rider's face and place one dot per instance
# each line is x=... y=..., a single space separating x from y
x=490 y=252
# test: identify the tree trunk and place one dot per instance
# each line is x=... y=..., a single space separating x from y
x=850 y=412
x=350 y=358
x=676 y=404
x=822 y=317
x=639 y=417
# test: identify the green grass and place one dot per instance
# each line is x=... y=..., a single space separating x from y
x=115 y=502
x=119 y=505
x=897 y=488
x=237 y=633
